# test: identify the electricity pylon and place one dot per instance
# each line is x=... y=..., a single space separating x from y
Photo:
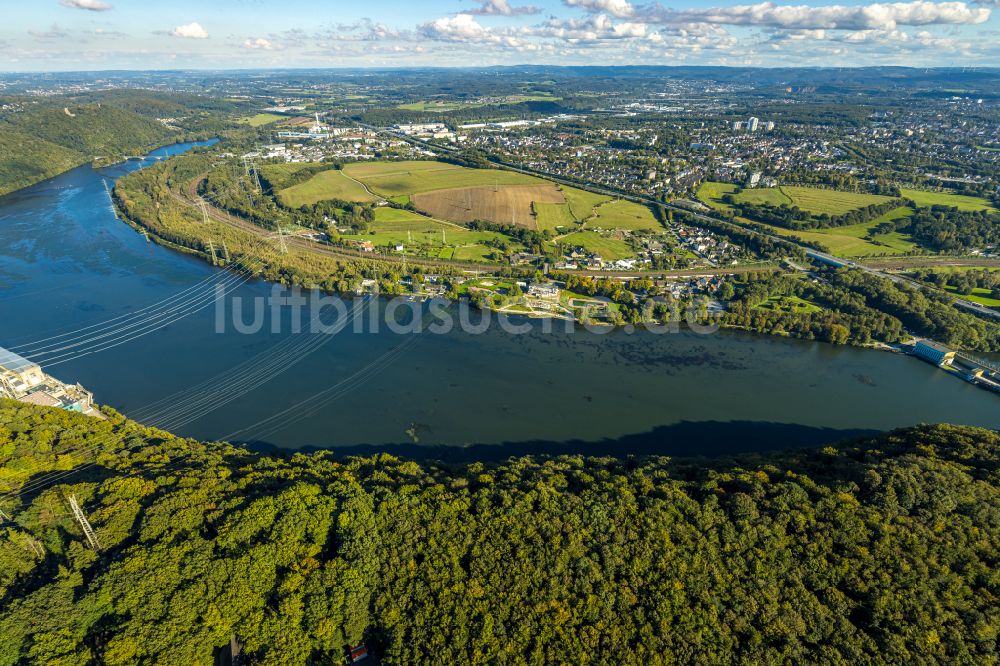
x=88 y=531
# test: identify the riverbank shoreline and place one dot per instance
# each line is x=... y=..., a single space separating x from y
x=201 y=254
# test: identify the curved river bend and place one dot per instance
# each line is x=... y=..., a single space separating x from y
x=66 y=262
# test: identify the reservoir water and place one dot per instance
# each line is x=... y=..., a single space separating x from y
x=66 y=262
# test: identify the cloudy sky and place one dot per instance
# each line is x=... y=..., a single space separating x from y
x=58 y=35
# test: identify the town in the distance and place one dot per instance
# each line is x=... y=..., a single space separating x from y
x=786 y=202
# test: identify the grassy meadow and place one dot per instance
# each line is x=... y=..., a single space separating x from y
x=814 y=200
x=424 y=236
x=554 y=217
x=926 y=199
x=394 y=179
x=623 y=214
x=610 y=249
x=848 y=242
x=262 y=119
x=332 y=184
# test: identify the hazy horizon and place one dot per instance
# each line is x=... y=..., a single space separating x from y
x=117 y=35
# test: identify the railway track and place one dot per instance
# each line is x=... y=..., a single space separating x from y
x=192 y=199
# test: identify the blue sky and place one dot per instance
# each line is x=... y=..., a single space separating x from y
x=56 y=35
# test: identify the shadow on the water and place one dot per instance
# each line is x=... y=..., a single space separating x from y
x=684 y=439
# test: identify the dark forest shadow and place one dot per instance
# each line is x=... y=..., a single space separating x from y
x=684 y=439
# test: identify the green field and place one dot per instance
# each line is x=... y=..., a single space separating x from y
x=325 y=185
x=261 y=119
x=981 y=296
x=764 y=195
x=624 y=215
x=846 y=241
x=426 y=237
x=471 y=253
x=811 y=199
x=855 y=246
x=711 y=192
x=850 y=241
x=392 y=219
x=582 y=203
x=552 y=216
x=818 y=201
x=792 y=304
x=419 y=234
x=609 y=248
x=926 y=199
x=393 y=179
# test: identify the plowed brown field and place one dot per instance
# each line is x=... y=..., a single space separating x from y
x=508 y=204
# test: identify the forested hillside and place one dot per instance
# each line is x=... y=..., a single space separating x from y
x=40 y=142
x=883 y=551
x=26 y=160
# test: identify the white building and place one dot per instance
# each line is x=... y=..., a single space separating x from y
x=21 y=379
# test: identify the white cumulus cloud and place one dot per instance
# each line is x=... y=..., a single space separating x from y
x=191 y=30
x=617 y=8
x=502 y=8
x=261 y=44
x=464 y=28
x=89 y=5
x=461 y=27
x=876 y=16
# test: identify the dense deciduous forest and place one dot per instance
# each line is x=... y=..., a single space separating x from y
x=922 y=312
x=842 y=318
x=95 y=130
x=945 y=228
x=877 y=551
x=855 y=307
x=26 y=160
x=41 y=143
x=39 y=140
